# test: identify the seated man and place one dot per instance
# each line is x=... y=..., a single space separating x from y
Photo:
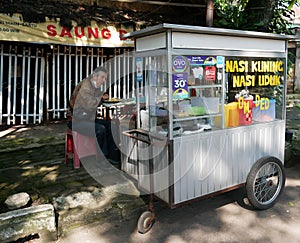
x=86 y=98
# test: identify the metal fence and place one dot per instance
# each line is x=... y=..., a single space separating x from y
x=36 y=81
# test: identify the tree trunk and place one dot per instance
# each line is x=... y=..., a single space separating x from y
x=210 y=13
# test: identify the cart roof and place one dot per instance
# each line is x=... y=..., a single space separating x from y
x=205 y=30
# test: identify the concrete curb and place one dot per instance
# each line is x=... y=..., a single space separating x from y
x=20 y=223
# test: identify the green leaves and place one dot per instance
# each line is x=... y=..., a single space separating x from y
x=268 y=15
x=230 y=13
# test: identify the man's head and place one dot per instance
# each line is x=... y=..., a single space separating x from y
x=99 y=76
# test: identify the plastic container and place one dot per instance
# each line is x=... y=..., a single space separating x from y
x=196 y=101
x=211 y=104
x=196 y=111
x=217 y=121
x=245 y=111
x=145 y=120
x=231 y=114
x=183 y=108
x=265 y=111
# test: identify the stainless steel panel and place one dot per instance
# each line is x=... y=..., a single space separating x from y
x=232 y=43
x=209 y=162
x=128 y=152
x=204 y=163
x=135 y=160
x=153 y=42
x=161 y=173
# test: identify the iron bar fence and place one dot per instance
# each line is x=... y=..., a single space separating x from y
x=36 y=81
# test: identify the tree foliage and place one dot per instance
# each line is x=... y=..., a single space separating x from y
x=259 y=15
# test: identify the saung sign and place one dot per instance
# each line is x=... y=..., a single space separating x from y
x=12 y=28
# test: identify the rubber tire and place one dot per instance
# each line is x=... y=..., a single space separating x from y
x=143 y=221
x=252 y=179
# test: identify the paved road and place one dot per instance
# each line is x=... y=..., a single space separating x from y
x=224 y=218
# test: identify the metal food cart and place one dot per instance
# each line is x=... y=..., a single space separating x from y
x=210 y=108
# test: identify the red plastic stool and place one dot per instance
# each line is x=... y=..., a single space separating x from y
x=78 y=146
x=68 y=145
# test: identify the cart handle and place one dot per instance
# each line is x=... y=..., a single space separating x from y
x=162 y=140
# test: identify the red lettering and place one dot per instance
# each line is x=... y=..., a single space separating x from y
x=92 y=32
x=65 y=32
x=52 y=30
x=80 y=32
x=122 y=32
x=79 y=35
x=106 y=33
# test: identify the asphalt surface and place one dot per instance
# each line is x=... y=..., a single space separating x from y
x=224 y=218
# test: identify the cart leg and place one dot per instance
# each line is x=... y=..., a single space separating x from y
x=147 y=218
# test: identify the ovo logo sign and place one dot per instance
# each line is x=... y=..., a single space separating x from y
x=179 y=64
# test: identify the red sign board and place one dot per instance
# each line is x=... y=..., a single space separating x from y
x=210 y=73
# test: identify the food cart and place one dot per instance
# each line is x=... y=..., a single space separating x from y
x=210 y=115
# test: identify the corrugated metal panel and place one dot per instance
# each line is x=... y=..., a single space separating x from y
x=139 y=169
x=204 y=163
x=128 y=152
x=161 y=173
x=209 y=162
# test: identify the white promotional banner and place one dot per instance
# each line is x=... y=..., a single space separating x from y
x=12 y=28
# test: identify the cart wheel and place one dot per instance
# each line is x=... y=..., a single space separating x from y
x=145 y=222
x=265 y=182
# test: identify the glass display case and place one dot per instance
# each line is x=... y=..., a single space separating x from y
x=190 y=94
x=185 y=96
x=204 y=93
